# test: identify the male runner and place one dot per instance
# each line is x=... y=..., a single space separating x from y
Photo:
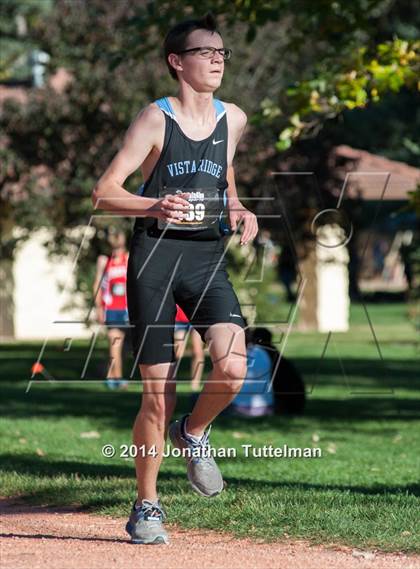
x=186 y=144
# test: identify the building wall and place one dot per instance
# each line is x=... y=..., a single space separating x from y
x=39 y=311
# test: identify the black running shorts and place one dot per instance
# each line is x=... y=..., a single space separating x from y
x=163 y=272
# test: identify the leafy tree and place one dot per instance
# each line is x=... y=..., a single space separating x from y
x=296 y=65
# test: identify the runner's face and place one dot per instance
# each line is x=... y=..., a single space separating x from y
x=117 y=240
x=204 y=75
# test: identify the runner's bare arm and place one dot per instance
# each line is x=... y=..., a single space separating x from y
x=100 y=267
x=141 y=137
x=238 y=214
x=231 y=191
x=97 y=292
x=237 y=121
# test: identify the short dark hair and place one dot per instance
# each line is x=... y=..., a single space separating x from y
x=176 y=38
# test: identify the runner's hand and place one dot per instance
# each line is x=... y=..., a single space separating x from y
x=172 y=208
x=238 y=214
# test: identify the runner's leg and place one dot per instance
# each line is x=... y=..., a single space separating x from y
x=228 y=354
x=151 y=424
x=116 y=340
x=180 y=341
x=197 y=360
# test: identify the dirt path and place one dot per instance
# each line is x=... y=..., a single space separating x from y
x=38 y=537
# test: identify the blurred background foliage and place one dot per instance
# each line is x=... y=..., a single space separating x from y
x=310 y=75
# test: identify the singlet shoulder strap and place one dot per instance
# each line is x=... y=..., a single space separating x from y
x=220 y=109
x=166 y=107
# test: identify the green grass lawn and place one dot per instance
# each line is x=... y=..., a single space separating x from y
x=362 y=411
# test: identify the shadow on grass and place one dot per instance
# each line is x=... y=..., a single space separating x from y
x=118 y=409
x=37 y=466
x=365 y=374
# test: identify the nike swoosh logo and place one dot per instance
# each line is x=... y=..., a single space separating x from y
x=217 y=141
x=237 y=315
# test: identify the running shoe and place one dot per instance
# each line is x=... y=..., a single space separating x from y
x=202 y=471
x=145 y=523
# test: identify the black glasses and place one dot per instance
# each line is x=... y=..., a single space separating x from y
x=208 y=52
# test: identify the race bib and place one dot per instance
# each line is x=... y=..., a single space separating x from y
x=206 y=208
x=118 y=289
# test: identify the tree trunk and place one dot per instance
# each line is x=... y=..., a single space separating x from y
x=7 y=307
x=308 y=288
